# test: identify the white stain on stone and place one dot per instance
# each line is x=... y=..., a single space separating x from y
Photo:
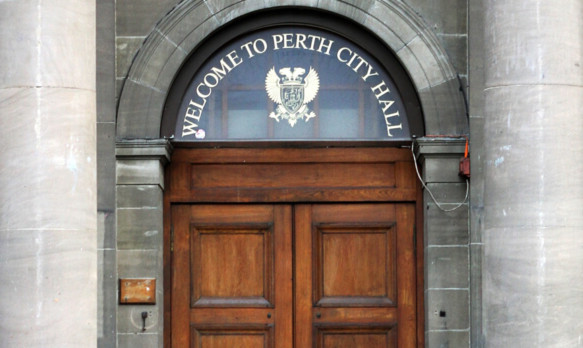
x=39 y=35
x=39 y=275
x=38 y=79
x=150 y=233
x=38 y=119
x=499 y=161
x=72 y=166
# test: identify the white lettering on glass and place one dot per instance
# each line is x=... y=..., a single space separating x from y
x=290 y=41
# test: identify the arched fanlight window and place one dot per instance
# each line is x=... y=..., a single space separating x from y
x=309 y=80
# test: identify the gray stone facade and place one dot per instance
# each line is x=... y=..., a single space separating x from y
x=425 y=36
x=506 y=74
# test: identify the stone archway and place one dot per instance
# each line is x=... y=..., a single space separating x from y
x=175 y=36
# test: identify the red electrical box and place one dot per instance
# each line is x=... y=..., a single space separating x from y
x=465 y=167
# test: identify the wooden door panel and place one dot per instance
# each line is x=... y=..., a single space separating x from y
x=291 y=175
x=356 y=338
x=277 y=175
x=351 y=274
x=355 y=265
x=232 y=265
x=216 y=338
x=232 y=271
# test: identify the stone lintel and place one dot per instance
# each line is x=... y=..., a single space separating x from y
x=439 y=158
x=439 y=147
x=144 y=149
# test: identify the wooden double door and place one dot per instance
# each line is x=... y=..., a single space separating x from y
x=284 y=274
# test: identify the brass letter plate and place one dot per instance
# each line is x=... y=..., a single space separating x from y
x=137 y=291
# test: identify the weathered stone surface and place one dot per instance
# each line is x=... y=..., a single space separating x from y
x=139 y=196
x=446 y=228
x=443 y=169
x=477 y=158
x=137 y=18
x=130 y=319
x=521 y=43
x=447 y=267
x=447 y=310
x=476 y=295
x=434 y=74
x=107 y=299
x=136 y=172
x=52 y=133
x=46 y=273
x=38 y=49
x=139 y=120
x=526 y=149
x=106 y=166
x=532 y=252
x=476 y=59
x=524 y=266
x=456 y=47
x=139 y=228
x=448 y=118
x=447 y=192
x=138 y=263
x=449 y=339
x=106 y=60
x=140 y=340
x=106 y=236
x=126 y=49
x=48 y=237
x=442 y=16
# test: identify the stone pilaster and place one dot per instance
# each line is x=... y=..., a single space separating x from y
x=48 y=293
x=446 y=237
x=140 y=241
x=533 y=193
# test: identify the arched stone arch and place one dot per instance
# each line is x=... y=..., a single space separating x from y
x=180 y=31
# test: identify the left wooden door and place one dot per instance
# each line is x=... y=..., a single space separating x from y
x=232 y=272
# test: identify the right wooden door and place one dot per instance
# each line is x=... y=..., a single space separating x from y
x=354 y=272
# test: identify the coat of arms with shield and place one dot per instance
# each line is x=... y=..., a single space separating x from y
x=292 y=92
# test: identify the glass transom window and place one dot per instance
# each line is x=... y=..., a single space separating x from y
x=291 y=83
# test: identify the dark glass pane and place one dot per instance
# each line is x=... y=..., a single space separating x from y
x=246 y=115
x=339 y=114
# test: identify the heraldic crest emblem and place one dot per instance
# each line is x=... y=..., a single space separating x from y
x=292 y=92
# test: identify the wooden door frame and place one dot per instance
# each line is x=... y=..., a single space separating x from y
x=405 y=189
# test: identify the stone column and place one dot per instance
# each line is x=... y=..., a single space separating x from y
x=533 y=194
x=47 y=174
